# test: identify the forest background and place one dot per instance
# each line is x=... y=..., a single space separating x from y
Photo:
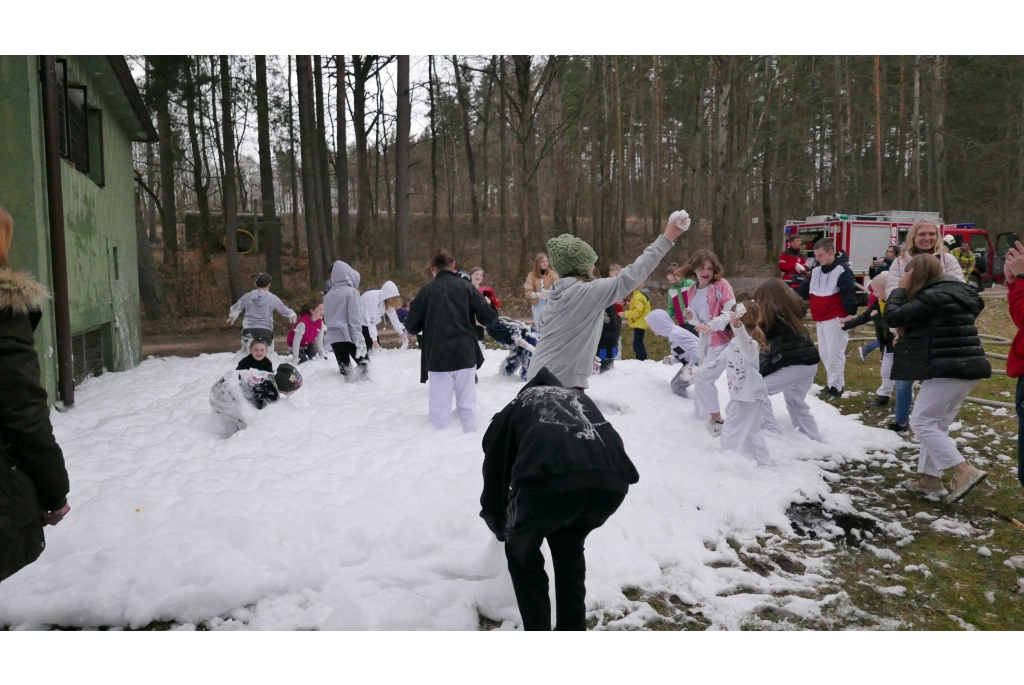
x=380 y=159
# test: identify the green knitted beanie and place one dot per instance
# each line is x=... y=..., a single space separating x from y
x=569 y=254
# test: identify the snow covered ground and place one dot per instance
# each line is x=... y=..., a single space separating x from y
x=342 y=508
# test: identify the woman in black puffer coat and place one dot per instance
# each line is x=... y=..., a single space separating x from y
x=938 y=344
x=33 y=481
x=791 y=361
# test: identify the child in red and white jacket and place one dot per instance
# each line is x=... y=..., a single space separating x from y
x=832 y=293
x=1013 y=269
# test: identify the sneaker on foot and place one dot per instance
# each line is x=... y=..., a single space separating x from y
x=879 y=401
x=863 y=355
x=898 y=427
x=961 y=485
x=834 y=393
x=715 y=427
x=918 y=487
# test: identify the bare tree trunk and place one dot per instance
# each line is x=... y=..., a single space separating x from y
x=723 y=91
x=503 y=164
x=620 y=169
x=151 y=176
x=463 y=98
x=878 y=132
x=151 y=288
x=766 y=198
x=168 y=212
x=313 y=216
x=228 y=186
x=902 y=148
x=272 y=227
x=402 y=170
x=558 y=207
x=485 y=214
x=361 y=68
x=940 y=130
x=341 y=165
x=917 y=130
x=292 y=160
x=433 y=149
x=323 y=154
x=191 y=96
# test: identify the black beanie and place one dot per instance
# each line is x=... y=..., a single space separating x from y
x=288 y=378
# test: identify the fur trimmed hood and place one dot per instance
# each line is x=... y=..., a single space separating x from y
x=20 y=292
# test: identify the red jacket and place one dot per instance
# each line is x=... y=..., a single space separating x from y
x=1015 y=295
x=787 y=264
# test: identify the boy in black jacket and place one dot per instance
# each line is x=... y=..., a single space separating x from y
x=553 y=468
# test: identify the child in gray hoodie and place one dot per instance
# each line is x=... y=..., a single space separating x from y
x=259 y=305
x=344 y=320
x=571 y=322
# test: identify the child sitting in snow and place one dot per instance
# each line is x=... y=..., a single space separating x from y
x=259 y=305
x=639 y=308
x=230 y=394
x=306 y=338
x=520 y=339
x=256 y=359
x=747 y=391
x=682 y=344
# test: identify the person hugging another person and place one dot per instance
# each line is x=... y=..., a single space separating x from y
x=937 y=344
x=236 y=390
x=636 y=317
x=538 y=285
x=259 y=305
x=306 y=338
x=710 y=302
x=446 y=311
x=573 y=317
x=791 y=360
x=375 y=304
x=343 y=317
x=747 y=391
x=832 y=293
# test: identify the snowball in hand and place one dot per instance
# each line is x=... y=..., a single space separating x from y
x=681 y=219
x=739 y=311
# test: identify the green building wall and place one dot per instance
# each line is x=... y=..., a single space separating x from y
x=98 y=220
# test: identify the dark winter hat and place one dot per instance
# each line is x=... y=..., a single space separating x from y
x=262 y=280
x=570 y=255
x=288 y=378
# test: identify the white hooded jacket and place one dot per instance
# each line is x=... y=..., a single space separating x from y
x=372 y=304
x=683 y=344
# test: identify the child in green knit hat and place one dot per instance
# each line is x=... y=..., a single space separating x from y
x=572 y=319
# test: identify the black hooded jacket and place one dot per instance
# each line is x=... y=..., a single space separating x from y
x=549 y=439
x=786 y=348
x=446 y=311
x=938 y=338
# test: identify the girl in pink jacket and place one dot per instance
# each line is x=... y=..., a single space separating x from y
x=710 y=302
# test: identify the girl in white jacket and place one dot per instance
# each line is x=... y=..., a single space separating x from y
x=375 y=304
x=747 y=391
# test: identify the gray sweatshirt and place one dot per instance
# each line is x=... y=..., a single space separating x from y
x=259 y=306
x=343 y=316
x=571 y=322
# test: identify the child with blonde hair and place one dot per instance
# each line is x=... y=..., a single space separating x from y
x=885 y=337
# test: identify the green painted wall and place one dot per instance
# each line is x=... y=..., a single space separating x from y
x=97 y=220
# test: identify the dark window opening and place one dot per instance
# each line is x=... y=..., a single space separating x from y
x=78 y=127
x=96 y=168
x=117 y=270
x=87 y=354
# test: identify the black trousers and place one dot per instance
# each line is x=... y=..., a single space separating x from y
x=565 y=519
x=367 y=338
x=344 y=353
x=639 y=349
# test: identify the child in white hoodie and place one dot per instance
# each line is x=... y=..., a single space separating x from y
x=747 y=391
x=375 y=304
x=259 y=305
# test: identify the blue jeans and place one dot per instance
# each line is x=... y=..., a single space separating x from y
x=639 y=349
x=904 y=401
x=871 y=347
x=1020 y=430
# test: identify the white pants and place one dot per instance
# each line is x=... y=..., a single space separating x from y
x=832 y=341
x=705 y=394
x=535 y=310
x=936 y=407
x=794 y=382
x=441 y=384
x=742 y=430
x=888 y=385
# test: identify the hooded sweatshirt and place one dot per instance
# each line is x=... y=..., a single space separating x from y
x=831 y=290
x=639 y=307
x=259 y=306
x=681 y=342
x=342 y=313
x=572 y=319
x=742 y=367
x=372 y=304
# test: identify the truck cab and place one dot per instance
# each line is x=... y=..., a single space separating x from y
x=989 y=259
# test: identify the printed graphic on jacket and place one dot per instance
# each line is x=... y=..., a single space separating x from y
x=560 y=407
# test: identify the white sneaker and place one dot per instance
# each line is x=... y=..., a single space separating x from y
x=863 y=355
x=715 y=427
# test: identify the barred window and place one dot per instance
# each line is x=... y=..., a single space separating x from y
x=78 y=127
x=87 y=355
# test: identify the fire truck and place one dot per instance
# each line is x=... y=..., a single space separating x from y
x=866 y=237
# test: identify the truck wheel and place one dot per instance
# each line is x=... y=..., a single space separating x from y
x=975 y=282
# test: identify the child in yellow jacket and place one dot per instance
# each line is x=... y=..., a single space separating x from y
x=636 y=317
